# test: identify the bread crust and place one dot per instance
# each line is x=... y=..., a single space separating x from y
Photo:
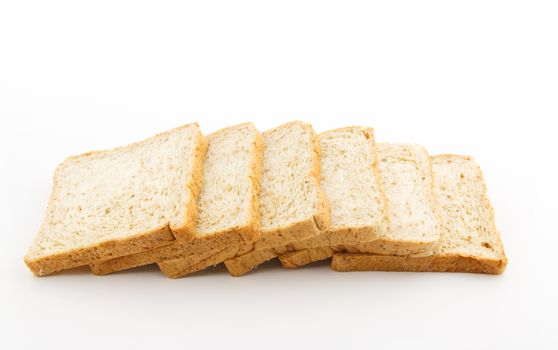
x=305 y=257
x=245 y=263
x=157 y=237
x=344 y=262
x=206 y=245
x=182 y=267
x=186 y=232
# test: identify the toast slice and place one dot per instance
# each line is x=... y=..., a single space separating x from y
x=470 y=241
x=122 y=201
x=414 y=224
x=350 y=179
x=293 y=206
x=228 y=204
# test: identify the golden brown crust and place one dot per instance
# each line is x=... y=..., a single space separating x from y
x=379 y=184
x=305 y=257
x=384 y=246
x=345 y=262
x=79 y=257
x=203 y=245
x=294 y=232
x=200 y=245
x=245 y=263
x=255 y=180
x=295 y=252
x=185 y=266
x=322 y=217
x=155 y=238
x=194 y=183
x=261 y=252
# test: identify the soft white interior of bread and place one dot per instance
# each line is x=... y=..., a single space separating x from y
x=288 y=192
x=468 y=216
x=407 y=180
x=225 y=198
x=347 y=178
x=118 y=193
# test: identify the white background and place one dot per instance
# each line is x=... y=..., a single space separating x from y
x=472 y=77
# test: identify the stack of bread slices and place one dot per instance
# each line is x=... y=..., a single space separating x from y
x=185 y=201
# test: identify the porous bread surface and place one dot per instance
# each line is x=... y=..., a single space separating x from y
x=290 y=191
x=113 y=202
x=468 y=214
x=292 y=204
x=350 y=180
x=408 y=182
x=470 y=241
x=230 y=180
x=414 y=223
x=228 y=203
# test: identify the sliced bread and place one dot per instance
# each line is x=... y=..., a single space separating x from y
x=349 y=177
x=122 y=201
x=293 y=206
x=228 y=204
x=414 y=225
x=470 y=241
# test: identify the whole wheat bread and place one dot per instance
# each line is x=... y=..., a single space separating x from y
x=293 y=206
x=470 y=241
x=414 y=223
x=228 y=204
x=122 y=201
x=349 y=177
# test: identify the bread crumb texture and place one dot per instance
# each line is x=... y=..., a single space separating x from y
x=119 y=194
x=407 y=180
x=468 y=214
x=229 y=177
x=289 y=192
x=347 y=177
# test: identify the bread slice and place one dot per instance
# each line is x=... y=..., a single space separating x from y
x=414 y=223
x=122 y=201
x=470 y=241
x=349 y=177
x=228 y=203
x=293 y=206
